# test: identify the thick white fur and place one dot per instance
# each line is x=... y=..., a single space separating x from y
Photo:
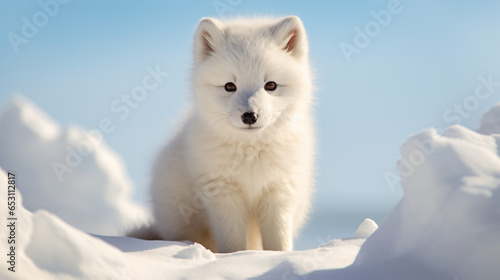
x=219 y=183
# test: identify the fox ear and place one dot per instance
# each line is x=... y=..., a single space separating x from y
x=208 y=36
x=290 y=35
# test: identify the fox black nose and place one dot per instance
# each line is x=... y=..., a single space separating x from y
x=249 y=118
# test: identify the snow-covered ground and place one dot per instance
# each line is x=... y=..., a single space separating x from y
x=447 y=226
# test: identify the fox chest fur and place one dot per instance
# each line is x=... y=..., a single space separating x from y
x=248 y=168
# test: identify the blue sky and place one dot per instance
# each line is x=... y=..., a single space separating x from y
x=414 y=70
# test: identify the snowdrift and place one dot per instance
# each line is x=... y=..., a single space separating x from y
x=448 y=222
x=69 y=172
x=447 y=226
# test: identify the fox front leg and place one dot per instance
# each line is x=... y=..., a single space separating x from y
x=276 y=221
x=228 y=219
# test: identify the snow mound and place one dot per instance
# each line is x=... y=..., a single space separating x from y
x=367 y=227
x=449 y=218
x=48 y=248
x=69 y=172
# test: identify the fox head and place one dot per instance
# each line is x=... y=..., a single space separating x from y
x=250 y=75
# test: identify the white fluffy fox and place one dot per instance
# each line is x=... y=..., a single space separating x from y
x=239 y=173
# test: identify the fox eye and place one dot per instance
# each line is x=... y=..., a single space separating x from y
x=230 y=87
x=270 y=86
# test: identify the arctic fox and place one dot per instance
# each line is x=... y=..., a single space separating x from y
x=239 y=173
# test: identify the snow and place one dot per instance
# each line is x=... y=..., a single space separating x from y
x=449 y=218
x=69 y=172
x=367 y=227
x=447 y=226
